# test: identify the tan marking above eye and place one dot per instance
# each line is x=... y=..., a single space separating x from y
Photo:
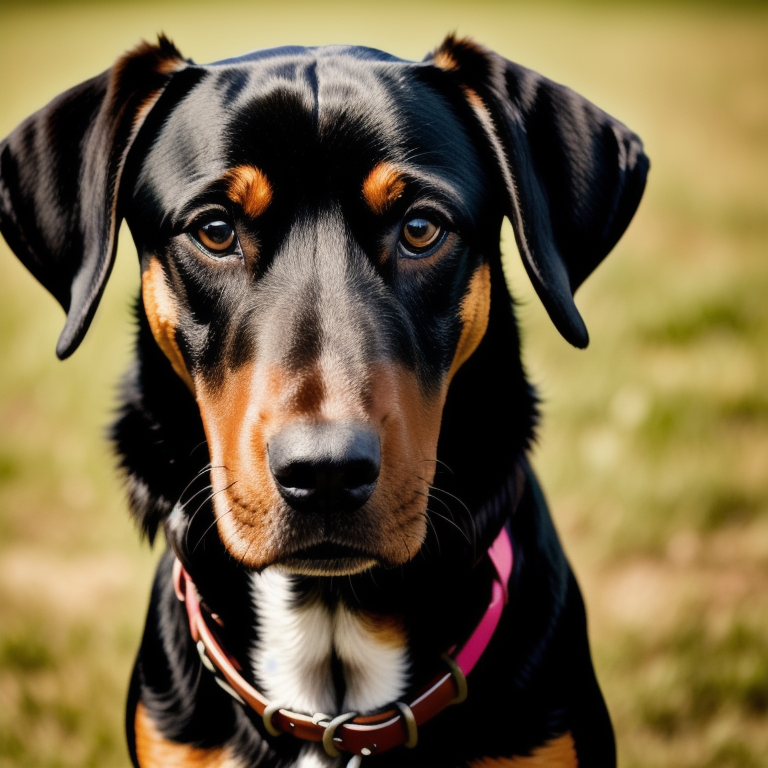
x=249 y=187
x=382 y=187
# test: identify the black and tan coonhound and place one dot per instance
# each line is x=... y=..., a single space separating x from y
x=327 y=414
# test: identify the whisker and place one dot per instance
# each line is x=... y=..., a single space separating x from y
x=439 y=461
x=205 y=532
x=434 y=489
x=195 y=513
x=215 y=493
x=215 y=519
x=431 y=523
x=352 y=587
x=200 y=473
x=455 y=525
x=205 y=488
x=245 y=554
x=201 y=443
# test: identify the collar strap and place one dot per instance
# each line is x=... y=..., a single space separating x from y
x=355 y=734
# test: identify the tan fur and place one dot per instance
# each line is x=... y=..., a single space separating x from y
x=144 y=109
x=155 y=751
x=162 y=314
x=388 y=630
x=444 y=60
x=558 y=753
x=250 y=189
x=382 y=187
x=475 y=307
x=240 y=476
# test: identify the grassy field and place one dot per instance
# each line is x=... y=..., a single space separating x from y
x=654 y=448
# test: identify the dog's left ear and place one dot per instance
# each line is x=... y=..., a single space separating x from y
x=574 y=175
x=60 y=174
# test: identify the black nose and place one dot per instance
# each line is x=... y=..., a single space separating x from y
x=326 y=466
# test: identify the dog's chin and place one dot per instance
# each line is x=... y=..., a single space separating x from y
x=327 y=560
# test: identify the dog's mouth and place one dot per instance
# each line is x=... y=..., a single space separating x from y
x=328 y=559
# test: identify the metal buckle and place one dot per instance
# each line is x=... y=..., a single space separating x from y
x=208 y=664
x=330 y=730
x=460 y=681
x=410 y=722
x=203 y=654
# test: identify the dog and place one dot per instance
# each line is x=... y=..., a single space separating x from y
x=327 y=414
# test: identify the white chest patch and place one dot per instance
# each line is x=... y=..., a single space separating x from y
x=292 y=656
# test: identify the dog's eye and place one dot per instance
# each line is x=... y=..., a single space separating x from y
x=420 y=234
x=216 y=235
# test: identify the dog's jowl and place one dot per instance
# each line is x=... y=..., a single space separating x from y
x=327 y=415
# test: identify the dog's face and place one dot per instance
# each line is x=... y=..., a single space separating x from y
x=317 y=281
x=317 y=230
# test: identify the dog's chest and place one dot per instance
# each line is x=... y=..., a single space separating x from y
x=300 y=641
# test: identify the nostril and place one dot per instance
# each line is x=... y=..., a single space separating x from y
x=299 y=474
x=360 y=472
x=326 y=466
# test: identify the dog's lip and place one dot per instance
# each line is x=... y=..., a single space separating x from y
x=328 y=550
x=328 y=559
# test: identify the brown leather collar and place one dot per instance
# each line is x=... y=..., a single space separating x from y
x=359 y=735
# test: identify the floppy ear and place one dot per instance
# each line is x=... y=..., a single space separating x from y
x=574 y=175
x=60 y=174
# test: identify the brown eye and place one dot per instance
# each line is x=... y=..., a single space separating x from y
x=217 y=236
x=420 y=234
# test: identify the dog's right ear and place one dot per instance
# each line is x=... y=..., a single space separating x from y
x=60 y=174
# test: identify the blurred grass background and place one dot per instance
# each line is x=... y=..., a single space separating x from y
x=654 y=448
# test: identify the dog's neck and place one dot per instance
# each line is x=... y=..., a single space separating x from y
x=313 y=655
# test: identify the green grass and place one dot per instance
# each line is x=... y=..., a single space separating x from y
x=654 y=447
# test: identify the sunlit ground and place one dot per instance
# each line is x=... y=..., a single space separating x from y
x=654 y=448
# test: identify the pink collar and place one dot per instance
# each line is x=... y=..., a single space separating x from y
x=503 y=558
x=359 y=735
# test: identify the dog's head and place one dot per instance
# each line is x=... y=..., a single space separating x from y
x=318 y=232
